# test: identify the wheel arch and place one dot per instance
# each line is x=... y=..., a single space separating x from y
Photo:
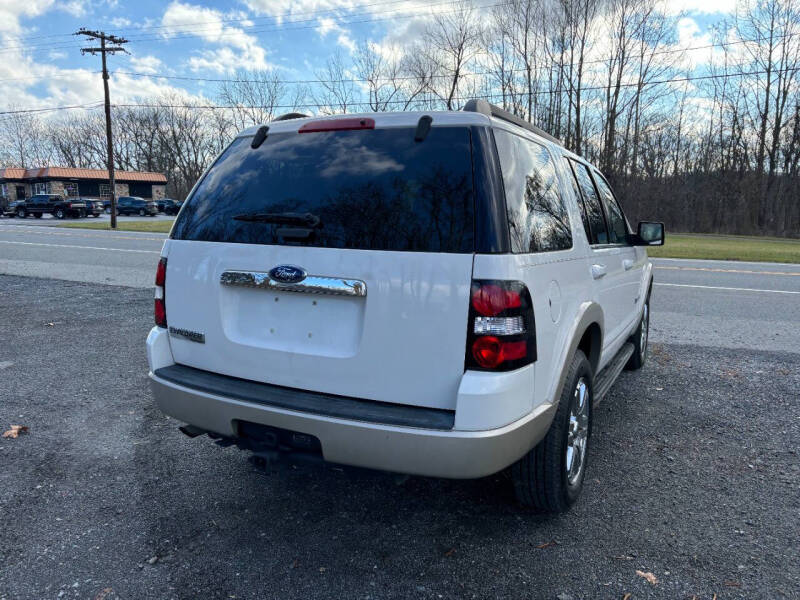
x=591 y=341
x=586 y=332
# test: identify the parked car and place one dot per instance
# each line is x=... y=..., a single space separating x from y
x=132 y=205
x=174 y=208
x=164 y=203
x=94 y=207
x=59 y=206
x=445 y=294
x=10 y=207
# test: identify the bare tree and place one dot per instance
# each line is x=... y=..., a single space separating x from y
x=336 y=91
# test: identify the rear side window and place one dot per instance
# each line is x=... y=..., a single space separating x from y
x=591 y=202
x=617 y=229
x=370 y=190
x=581 y=204
x=537 y=218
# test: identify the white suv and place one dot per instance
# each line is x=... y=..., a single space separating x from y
x=444 y=294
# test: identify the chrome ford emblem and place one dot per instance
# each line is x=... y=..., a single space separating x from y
x=287 y=274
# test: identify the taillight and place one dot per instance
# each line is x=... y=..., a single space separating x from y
x=337 y=125
x=502 y=330
x=160 y=309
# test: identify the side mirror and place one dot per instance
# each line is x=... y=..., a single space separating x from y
x=649 y=234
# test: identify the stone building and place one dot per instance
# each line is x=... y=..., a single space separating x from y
x=85 y=183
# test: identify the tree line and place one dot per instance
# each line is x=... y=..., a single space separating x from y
x=714 y=148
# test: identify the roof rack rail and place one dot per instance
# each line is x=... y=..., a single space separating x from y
x=490 y=110
x=291 y=115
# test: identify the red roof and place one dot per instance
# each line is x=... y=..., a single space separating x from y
x=12 y=173
x=68 y=173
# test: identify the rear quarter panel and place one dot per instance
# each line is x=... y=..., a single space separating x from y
x=560 y=287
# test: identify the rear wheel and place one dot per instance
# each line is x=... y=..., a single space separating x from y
x=22 y=213
x=550 y=477
x=639 y=340
x=59 y=214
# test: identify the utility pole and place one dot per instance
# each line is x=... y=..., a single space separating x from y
x=103 y=50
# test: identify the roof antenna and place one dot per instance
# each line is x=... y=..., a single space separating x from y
x=259 y=137
x=423 y=127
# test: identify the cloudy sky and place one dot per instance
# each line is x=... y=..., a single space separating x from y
x=41 y=64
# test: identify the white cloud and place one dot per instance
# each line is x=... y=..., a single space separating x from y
x=147 y=64
x=56 y=55
x=120 y=22
x=11 y=11
x=238 y=49
x=327 y=25
x=343 y=39
x=704 y=7
x=280 y=8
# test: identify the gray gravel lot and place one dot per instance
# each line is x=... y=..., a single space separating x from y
x=693 y=476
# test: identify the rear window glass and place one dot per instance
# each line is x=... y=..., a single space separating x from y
x=370 y=190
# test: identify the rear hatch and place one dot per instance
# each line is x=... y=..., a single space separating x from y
x=332 y=261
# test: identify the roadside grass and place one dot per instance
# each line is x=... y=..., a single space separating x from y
x=151 y=226
x=728 y=247
x=677 y=245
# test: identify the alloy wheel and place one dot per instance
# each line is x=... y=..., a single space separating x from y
x=577 y=432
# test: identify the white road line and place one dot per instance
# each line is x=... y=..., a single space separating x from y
x=81 y=247
x=658 y=259
x=732 y=289
x=712 y=270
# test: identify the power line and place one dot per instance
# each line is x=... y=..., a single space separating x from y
x=402 y=78
x=361 y=80
x=276 y=18
x=88 y=105
x=93 y=105
x=313 y=24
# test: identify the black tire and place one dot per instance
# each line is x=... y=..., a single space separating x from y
x=108 y=210
x=37 y=215
x=639 y=340
x=59 y=213
x=542 y=479
x=22 y=213
x=141 y=212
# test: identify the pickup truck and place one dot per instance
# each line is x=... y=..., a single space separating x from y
x=58 y=206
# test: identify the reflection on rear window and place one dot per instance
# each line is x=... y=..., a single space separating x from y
x=372 y=190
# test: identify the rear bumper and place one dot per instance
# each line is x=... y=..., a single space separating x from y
x=436 y=453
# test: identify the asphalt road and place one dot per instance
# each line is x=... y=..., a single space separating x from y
x=111 y=257
x=694 y=469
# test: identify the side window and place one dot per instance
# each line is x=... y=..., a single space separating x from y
x=617 y=228
x=537 y=218
x=591 y=202
x=579 y=199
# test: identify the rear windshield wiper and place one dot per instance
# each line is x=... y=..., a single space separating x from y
x=287 y=218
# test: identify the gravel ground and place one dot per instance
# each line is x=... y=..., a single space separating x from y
x=693 y=477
